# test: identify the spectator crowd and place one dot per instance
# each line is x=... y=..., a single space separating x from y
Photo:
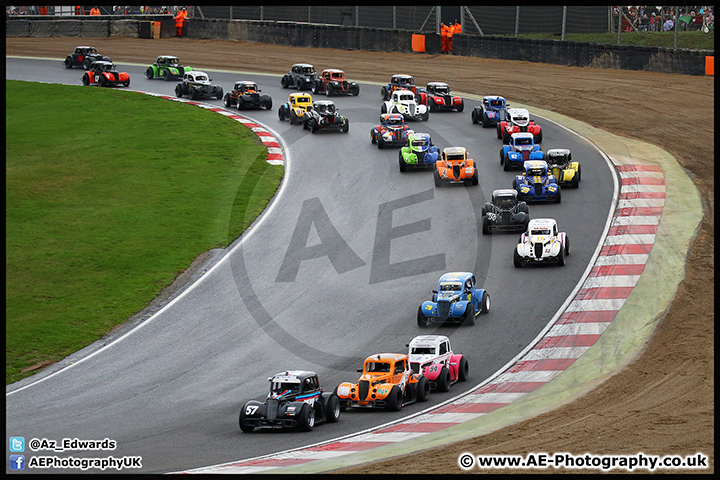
x=662 y=19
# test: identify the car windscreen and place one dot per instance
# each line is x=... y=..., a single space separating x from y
x=422 y=351
x=377 y=367
x=421 y=142
x=540 y=231
x=450 y=287
x=496 y=103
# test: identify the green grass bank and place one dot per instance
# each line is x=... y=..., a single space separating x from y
x=111 y=194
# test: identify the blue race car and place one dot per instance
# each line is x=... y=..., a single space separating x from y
x=536 y=184
x=492 y=111
x=418 y=152
x=457 y=299
x=521 y=148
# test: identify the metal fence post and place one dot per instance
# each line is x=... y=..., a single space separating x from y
x=357 y=16
x=562 y=37
x=517 y=20
x=620 y=14
x=394 y=17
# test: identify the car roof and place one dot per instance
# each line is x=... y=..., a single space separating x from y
x=494 y=97
x=451 y=150
x=530 y=164
x=333 y=70
x=401 y=91
x=557 y=151
x=292 y=376
x=438 y=84
x=541 y=222
x=455 y=277
x=300 y=95
x=518 y=112
x=303 y=65
x=388 y=116
x=167 y=56
x=419 y=135
x=522 y=135
x=324 y=102
x=198 y=72
x=504 y=191
x=428 y=340
x=378 y=357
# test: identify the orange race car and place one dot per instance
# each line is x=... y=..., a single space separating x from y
x=455 y=167
x=105 y=74
x=387 y=381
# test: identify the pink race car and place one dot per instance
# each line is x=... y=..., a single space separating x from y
x=432 y=356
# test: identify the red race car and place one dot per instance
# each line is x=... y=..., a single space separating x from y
x=105 y=74
x=437 y=96
x=518 y=120
x=392 y=131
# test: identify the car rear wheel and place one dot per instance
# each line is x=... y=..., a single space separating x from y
x=463 y=369
x=461 y=107
x=226 y=100
x=332 y=409
x=485 y=303
x=306 y=419
x=443 y=380
x=127 y=83
x=384 y=93
x=423 y=389
x=87 y=63
x=284 y=81
x=567 y=245
x=394 y=399
x=561 y=256
x=240 y=103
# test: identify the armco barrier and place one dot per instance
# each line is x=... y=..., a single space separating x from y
x=309 y=35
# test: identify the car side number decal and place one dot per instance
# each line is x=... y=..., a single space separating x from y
x=432 y=368
x=251 y=409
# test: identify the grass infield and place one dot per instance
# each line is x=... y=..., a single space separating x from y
x=110 y=195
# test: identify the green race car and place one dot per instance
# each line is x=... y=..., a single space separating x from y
x=418 y=152
x=168 y=67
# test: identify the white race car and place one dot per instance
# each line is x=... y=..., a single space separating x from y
x=542 y=243
x=432 y=356
x=404 y=101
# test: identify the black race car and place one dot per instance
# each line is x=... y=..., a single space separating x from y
x=83 y=56
x=505 y=213
x=247 y=95
x=324 y=116
x=295 y=401
x=301 y=76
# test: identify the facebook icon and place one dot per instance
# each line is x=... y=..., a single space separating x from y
x=17 y=462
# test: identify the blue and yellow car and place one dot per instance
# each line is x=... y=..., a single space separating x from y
x=536 y=184
x=457 y=299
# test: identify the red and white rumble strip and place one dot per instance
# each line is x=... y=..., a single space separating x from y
x=275 y=153
x=616 y=271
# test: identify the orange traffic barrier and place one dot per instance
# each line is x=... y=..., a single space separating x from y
x=710 y=66
x=418 y=43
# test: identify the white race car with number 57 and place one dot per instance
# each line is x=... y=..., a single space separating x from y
x=542 y=243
